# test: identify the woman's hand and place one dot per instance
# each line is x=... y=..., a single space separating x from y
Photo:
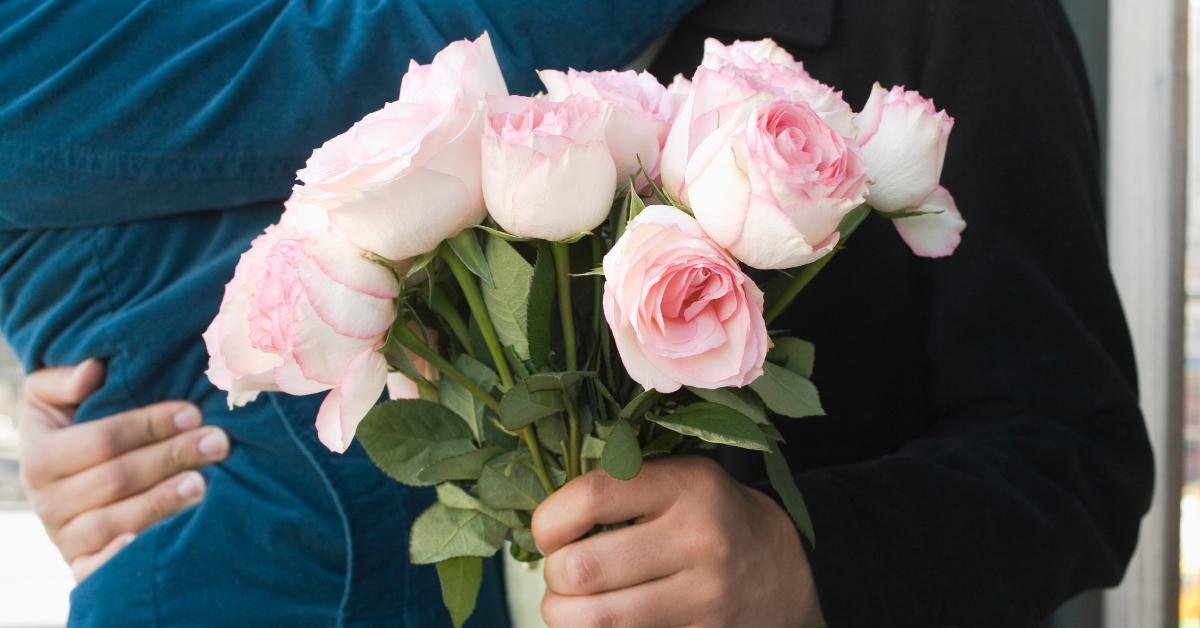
x=97 y=484
x=703 y=551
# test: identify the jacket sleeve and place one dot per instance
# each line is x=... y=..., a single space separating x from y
x=133 y=109
x=1031 y=483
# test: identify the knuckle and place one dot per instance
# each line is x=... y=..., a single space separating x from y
x=157 y=504
x=582 y=571
x=596 y=616
x=114 y=480
x=94 y=531
x=107 y=443
x=176 y=456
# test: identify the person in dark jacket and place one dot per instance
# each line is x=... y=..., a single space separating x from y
x=984 y=457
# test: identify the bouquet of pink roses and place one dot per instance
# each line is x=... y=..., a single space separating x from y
x=550 y=285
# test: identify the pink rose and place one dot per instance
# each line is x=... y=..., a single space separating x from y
x=469 y=66
x=729 y=77
x=773 y=182
x=938 y=228
x=547 y=172
x=406 y=177
x=680 y=309
x=641 y=112
x=305 y=312
x=903 y=138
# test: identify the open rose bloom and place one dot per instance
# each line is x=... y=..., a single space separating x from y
x=494 y=291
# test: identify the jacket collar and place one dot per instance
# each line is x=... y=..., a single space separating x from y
x=802 y=23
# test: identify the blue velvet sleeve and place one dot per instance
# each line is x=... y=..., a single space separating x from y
x=132 y=109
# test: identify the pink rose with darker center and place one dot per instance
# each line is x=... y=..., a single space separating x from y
x=681 y=310
x=773 y=183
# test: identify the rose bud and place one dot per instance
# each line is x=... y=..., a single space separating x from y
x=547 y=171
x=772 y=184
x=681 y=310
x=903 y=139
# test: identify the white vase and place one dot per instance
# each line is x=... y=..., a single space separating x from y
x=524 y=586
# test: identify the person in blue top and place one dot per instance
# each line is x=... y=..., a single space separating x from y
x=143 y=144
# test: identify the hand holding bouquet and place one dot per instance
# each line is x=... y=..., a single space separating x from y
x=550 y=285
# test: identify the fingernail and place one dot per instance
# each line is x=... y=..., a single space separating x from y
x=80 y=370
x=191 y=486
x=214 y=444
x=187 y=419
x=127 y=538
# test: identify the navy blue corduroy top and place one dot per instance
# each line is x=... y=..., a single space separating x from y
x=142 y=145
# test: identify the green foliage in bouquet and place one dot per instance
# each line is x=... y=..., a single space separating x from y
x=523 y=402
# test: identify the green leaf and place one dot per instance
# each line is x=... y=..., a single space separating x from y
x=771 y=432
x=507 y=300
x=622 y=458
x=636 y=205
x=461 y=467
x=738 y=399
x=540 y=309
x=403 y=437
x=593 y=447
x=716 y=423
x=443 y=532
x=524 y=549
x=460 y=400
x=455 y=496
x=420 y=263
x=662 y=444
x=508 y=482
x=794 y=354
x=552 y=433
x=559 y=381
x=520 y=407
x=787 y=393
x=460 y=578
x=466 y=246
x=503 y=235
x=640 y=405
x=784 y=484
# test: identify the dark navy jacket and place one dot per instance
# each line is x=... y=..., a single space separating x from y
x=984 y=457
x=143 y=143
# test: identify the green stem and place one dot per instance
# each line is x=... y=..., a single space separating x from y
x=562 y=270
x=575 y=444
x=452 y=317
x=409 y=340
x=780 y=304
x=475 y=303
x=535 y=452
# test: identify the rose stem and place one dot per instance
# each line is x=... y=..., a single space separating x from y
x=475 y=303
x=562 y=268
x=443 y=308
x=409 y=340
x=806 y=274
x=573 y=456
